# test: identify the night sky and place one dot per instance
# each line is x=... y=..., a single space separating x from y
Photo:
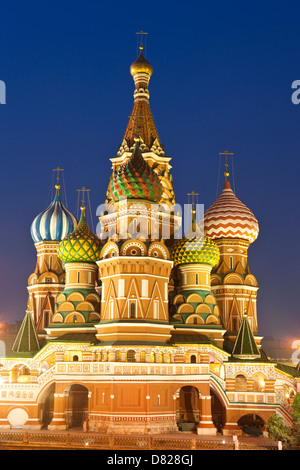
x=222 y=80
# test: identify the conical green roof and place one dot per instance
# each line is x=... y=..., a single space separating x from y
x=245 y=346
x=26 y=340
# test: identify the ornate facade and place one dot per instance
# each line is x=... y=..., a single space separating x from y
x=135 y=330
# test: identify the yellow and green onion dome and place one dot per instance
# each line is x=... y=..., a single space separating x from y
x=135 y=180
x=81 y=246
x=195 y=250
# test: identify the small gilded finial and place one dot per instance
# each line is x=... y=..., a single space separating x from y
x=57 y=186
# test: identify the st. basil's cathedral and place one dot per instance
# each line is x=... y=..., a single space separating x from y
x=136 y=330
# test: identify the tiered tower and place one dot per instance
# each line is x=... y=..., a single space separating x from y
x=47 y=231
x=194 y=308
x=135 y=264
x=78 y=306
x=233 y=227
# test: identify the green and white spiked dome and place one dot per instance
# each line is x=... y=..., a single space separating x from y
x=81 y=246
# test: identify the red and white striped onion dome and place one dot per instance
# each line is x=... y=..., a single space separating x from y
x=228 y=217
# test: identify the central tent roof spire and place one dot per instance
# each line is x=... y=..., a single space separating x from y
x=141 y=117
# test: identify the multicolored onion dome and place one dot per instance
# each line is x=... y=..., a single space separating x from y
x=228 y=217
x=141 y=65
x=81 y=246
x=54 y=223
x=135 y=180
x=197 y=250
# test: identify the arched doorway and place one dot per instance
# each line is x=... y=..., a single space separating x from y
x=188 y=408
x=218 y=412
x=47 y=407
x=76 y=406
x=251 y=424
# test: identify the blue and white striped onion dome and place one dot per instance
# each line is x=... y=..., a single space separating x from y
x=53 y=224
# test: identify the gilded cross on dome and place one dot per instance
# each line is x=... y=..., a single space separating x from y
x=226 y=153
x=57 y=186
x=83 y=190
x=193 y=194
x=141 y=33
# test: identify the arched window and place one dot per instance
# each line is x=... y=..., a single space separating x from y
x=193 y=359
x=75 y=358
x=197 y=278
x=132 y=310
x=130 y=355
x=241 y=383
x=195 y=320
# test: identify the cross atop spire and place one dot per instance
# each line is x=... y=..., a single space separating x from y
x=193 y=194
x=57 y=186
x=194 y=197
x=141 y=33
x=226 y=153
x=83 y=190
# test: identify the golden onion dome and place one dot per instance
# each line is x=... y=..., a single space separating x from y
x=141 y=65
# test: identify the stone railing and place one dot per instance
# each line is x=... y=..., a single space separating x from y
x=67 y=440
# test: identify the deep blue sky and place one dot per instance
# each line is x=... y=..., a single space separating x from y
x=222 y=80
